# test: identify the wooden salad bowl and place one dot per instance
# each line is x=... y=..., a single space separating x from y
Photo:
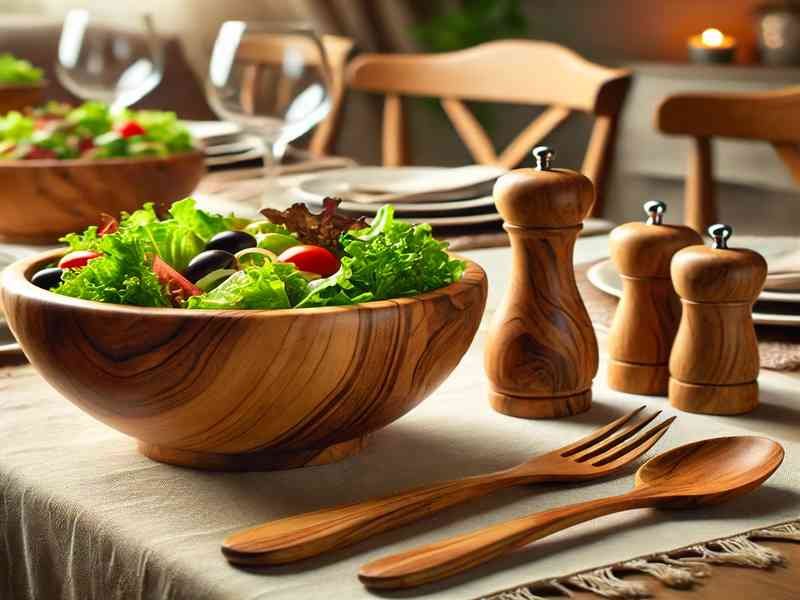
x=41 y=200
x=244 y=389
x=19 y=97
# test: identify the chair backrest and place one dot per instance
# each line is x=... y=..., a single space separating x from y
x=262 y=51
x=507 y=71
x=767 y=116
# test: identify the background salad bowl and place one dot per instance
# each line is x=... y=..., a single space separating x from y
x=244 y=389
x=41 y=200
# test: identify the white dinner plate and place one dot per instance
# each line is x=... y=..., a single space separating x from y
x=213 y=132
x=604 y=277
x=338 y=183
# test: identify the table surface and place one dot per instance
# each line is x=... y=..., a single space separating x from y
x=96 y=520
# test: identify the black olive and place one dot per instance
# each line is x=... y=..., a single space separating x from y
x=47 y=278
x=207 y=261
x=231 y=241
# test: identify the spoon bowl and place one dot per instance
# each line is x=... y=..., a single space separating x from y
x=700 y=473
x=710 y=471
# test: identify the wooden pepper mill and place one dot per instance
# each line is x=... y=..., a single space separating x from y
x=647 y=317
x=541 y=354
x=714 y=362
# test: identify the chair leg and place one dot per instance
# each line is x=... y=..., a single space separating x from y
x=700 y=209
x=599 y=157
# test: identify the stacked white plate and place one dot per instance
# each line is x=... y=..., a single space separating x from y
x=774 y=307
x=440 y=196
x=225 y=143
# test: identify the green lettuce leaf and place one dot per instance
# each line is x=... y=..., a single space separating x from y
x=179 y=238
x=121 y=276
x=391 y=259
x=270 y=286
x=18 y=71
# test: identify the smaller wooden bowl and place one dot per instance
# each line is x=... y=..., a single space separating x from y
x=19 y=97
x=244 y=389
x=41 y=200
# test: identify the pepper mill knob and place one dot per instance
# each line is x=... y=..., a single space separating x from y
x=544 y=156
x=714 y=361
x=647 y=316
x=541 y=352
x=655 y=209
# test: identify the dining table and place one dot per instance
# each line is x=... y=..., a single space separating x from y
x=84 y=516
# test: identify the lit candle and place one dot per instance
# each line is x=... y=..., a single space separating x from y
x=712 y=46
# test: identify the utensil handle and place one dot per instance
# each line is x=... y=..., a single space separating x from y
x=443 y=559
x=307 y=535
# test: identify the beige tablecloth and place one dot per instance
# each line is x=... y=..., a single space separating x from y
x=83 y=516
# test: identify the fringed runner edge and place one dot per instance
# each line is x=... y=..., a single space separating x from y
x=680 y=568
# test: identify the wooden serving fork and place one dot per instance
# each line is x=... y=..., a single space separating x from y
x=602 y=452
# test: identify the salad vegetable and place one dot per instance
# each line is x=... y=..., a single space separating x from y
x=15 y=71
x=194 y=259
x=91 y=130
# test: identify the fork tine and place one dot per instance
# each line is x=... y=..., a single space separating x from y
x=640 y=444
x=599 y=434
x=616 y=439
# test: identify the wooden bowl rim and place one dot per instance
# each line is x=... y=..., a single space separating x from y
x=15 y=278
x=50 y=163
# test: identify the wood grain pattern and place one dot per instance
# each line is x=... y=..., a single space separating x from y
x=647 y=316
x=269 y=51
x=565 y=83
x=714 y=361
x=19 y=97
x=269 y=389
x=768 y=116
x=41 y=200
x=697 y=474
x=541 y=351
x=303 y=536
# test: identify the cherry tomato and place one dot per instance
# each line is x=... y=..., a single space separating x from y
x=85 y=145
x=36 y=153
x=178 y=287
x=77 y=259
x=314 y=259
x=108 y=225
x=130 y=129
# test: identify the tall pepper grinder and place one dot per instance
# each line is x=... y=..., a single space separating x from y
x=647 y=317
x=541 y=354
x=714 y=362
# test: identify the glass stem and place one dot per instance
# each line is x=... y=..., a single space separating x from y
x=270 y=164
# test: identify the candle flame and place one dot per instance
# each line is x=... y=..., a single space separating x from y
x=713 y=38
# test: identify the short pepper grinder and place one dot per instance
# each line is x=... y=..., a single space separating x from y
x=541 y=353
x=714 y=362
x=647 y=317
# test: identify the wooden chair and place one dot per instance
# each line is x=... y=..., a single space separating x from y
x=768 y=116
x=261 y=51
x=508 y=71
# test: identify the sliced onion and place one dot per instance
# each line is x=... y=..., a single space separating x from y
x=308 y=275
x=269 y=255
x=213 y=279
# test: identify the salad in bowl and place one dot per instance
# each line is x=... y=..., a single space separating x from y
x=227 y=344
x=16 y=71
x=91 y=131
x=193 y=259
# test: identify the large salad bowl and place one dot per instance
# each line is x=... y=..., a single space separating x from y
x=41 y=200
x=244 y=389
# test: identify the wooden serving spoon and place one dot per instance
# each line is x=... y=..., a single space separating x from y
x=697 y=474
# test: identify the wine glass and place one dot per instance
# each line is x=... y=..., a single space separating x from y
x=100 y=61
x=272 y=79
